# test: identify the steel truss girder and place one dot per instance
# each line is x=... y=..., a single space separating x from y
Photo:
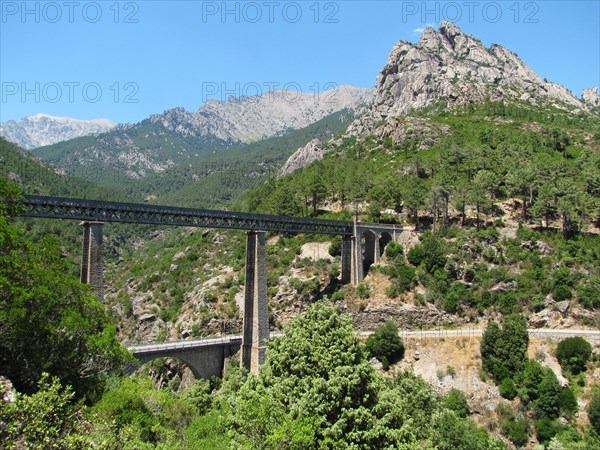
x=104 y=211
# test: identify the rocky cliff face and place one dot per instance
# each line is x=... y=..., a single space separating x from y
x=590 y=96
x=41 y=129
x=248 y=119
x=451 y=65
x=311 y=152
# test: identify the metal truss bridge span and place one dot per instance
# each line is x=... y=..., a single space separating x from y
x=106 y=211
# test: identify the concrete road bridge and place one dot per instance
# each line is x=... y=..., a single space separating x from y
x=362 y=245
x=205 y=356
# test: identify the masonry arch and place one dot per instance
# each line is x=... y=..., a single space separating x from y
x=204 y=362
x=146 y=359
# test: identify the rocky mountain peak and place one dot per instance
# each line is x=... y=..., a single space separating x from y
x=43 y=129
x=590 y=96
x=252 y=118
x=451 y=64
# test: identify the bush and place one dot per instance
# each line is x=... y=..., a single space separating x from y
x=431 y=253
x=363 y=291
x=337 y=296
x=335 y=249
x=453 y=298
x=561 y=292
x=589 y=294
x=545 y=429
x=504 y=350
x=385 y=344
x=46 y=419
x=594 y=411
x=568 y=401
x=515 y=431
x=573 y=354
x=456 y=401
x=393 y=250
x=508 y=390
x=404 y=279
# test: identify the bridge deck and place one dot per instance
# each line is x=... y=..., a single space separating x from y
x=104 y=211
x=154 y=347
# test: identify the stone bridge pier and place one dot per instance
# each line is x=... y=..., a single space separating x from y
x=256 y=314
x=92 y=267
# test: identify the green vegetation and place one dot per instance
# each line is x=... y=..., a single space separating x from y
x=455 y=401
x=573 y=354
x=385 y=345
x=49 y=322
x=504 y=356
x=594 y=411
x=316 y=390
x=493 y=165
x=504 y=350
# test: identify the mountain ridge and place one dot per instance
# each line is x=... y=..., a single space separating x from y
x=177 y=136
x=42 y=129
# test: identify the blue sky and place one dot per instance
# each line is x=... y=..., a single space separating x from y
x=126 y=60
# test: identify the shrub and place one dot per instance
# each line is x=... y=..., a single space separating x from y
x=589 y=294
x=393 y=250
x=563 y=276
x=508 y=390
x=337 y=296
x=568 y=401
x=515 y=431
x=335 y=249
x=545 y=429
x=404 y=280
x=456 y=401
x=594 y=411
x=363 y=291
x=385 y=344
x=431 y=253
x=561 y=292
x=573 y=354
x=392 y=291
x=452 y=300
x=504 y=350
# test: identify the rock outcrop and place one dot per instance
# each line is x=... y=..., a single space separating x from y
x=311 y=152
x=249 y=119
x=450 y=66
x=590 y=97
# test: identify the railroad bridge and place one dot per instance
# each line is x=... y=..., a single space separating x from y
x=362 y=245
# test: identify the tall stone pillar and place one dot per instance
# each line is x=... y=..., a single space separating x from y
x=92 y=267
x=256 y=315
x=377 y=249
x=357 y=259
x=346 y=259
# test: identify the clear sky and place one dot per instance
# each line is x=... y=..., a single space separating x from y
x=126 y=60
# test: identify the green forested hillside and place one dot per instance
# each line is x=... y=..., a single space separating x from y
x=215 y=179
x=37 y=178
x=510 y=193
x=108 y=157
x=546 y=162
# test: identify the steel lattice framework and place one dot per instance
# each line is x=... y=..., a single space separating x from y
x=104 y=211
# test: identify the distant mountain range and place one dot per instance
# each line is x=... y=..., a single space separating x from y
x=42 y=129
x=178 y=136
